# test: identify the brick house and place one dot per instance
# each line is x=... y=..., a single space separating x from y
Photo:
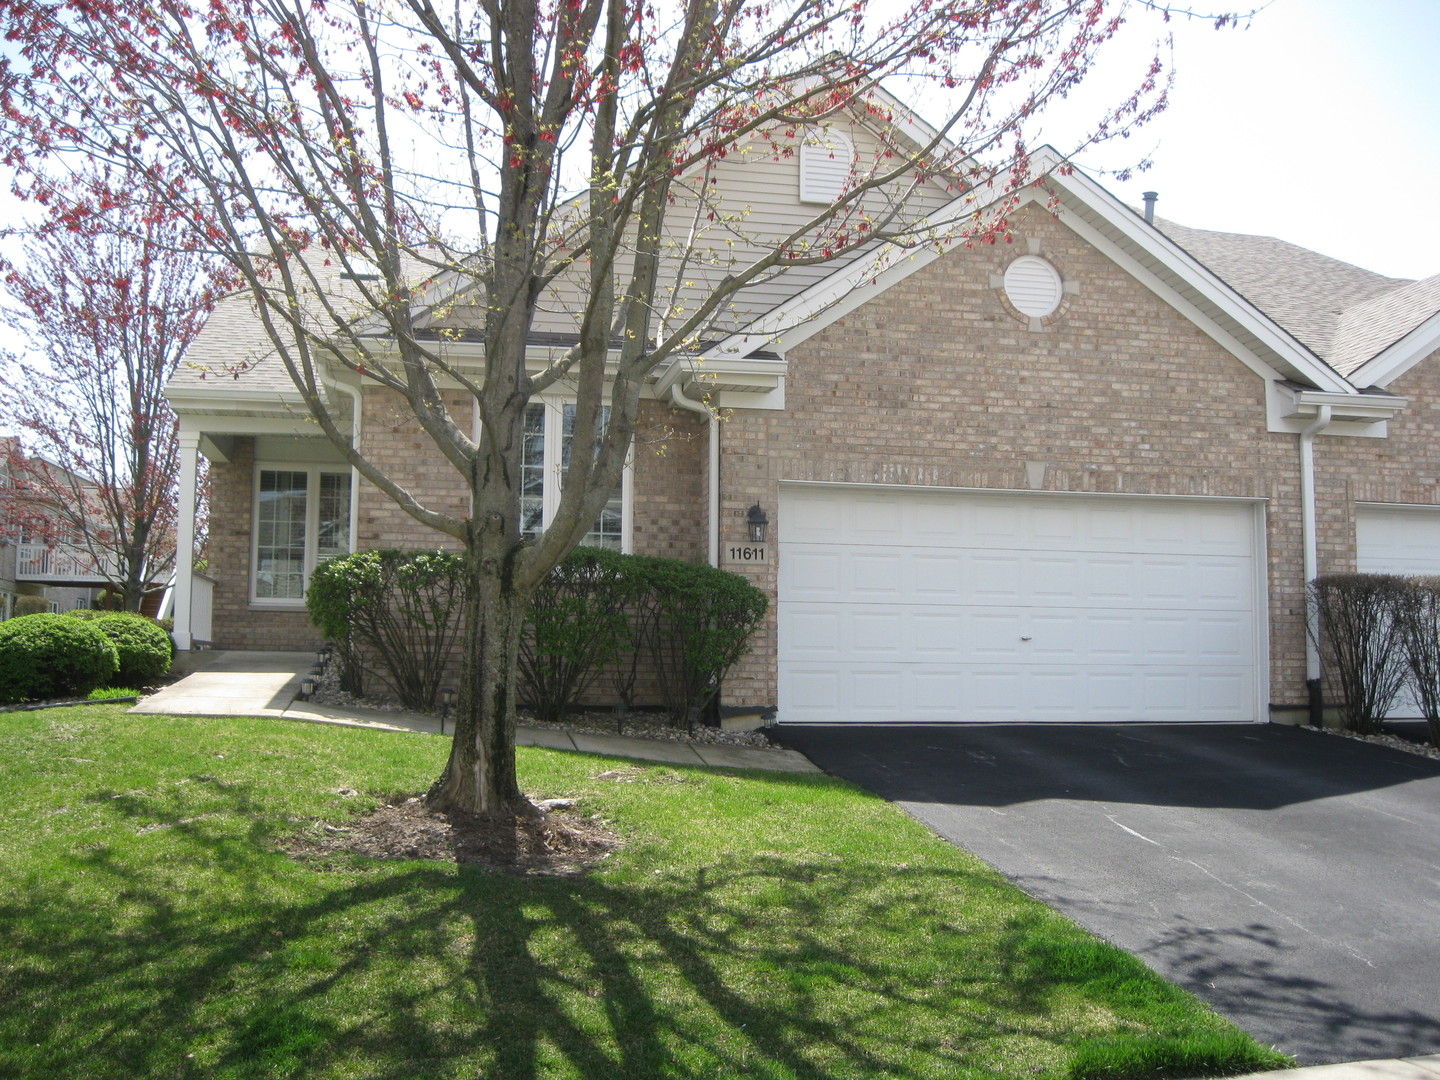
x=1080 y=476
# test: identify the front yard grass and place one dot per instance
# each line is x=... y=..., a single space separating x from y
x=755 y=925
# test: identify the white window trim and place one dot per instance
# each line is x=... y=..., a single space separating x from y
x=312 y=526
x=554 y=472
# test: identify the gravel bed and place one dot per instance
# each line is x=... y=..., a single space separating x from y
x=639 y=725
x=1395 y=742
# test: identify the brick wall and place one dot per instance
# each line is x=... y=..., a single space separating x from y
x=236 y=623
x=937 y=382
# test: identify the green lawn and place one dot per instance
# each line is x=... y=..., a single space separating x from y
x=755 y=925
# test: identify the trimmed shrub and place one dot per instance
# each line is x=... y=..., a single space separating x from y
x=578 y=623
x=1420 y=613
x=31 y=605
x=1362 y=642
x=697 y=624
x=404 y=607
x=144 y=650
x=47 y=655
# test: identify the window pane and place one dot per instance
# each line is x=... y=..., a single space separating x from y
x=280 y=522
x=532 y=472
x=606 y=530
x=334 y=534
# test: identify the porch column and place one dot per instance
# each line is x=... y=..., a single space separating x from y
x=185 y=535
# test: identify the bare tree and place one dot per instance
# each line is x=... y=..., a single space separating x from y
x=104 y=317
x=371 y=170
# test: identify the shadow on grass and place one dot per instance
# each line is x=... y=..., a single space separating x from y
x=191 y=947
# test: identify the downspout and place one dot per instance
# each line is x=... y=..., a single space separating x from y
x=1311 y=556
x=677 y=397
x=353 y=393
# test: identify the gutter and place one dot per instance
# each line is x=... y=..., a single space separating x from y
x=1311 y=557
x=678 y=398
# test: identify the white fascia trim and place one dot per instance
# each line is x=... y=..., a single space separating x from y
x=1367 y=408
x=242 y=424
x=763 y=373
x=1401 y=356
x=1134 y=228
x=231 y=399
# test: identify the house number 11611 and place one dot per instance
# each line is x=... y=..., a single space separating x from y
x=747 y=553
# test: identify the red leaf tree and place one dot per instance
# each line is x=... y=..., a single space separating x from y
x=104 y=307
x=520 y=159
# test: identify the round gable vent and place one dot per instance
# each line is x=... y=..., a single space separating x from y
x=1033 y=286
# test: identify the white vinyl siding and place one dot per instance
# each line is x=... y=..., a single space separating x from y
x=919 y=606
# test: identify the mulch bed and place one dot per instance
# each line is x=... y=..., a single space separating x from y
x=557 y=842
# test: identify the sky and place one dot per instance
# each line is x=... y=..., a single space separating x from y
x=1319 y=123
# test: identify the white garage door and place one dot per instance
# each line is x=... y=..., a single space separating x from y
x=918 y=606
x=1397 y=540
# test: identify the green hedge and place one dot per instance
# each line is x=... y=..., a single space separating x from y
x=401 y=608
x=144 y=650
x=47 y=655
x=686 y=623
x=597 y=612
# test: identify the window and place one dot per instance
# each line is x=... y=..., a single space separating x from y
x=549 y=428
x=302 y=518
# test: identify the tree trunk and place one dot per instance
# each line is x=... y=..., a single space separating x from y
x=480 y=775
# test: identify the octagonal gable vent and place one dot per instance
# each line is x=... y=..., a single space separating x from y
x=1033 y=286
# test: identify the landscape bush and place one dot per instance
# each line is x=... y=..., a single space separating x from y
x=400 y=608
x=47 y=655
x=686 y=623
x=1420 y=619
x=599 y=611
x=698 y=623
x=31 y=605
x=1379 y=637
x=579 y=622
x=144 y=650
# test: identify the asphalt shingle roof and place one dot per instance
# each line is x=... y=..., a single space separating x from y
x=1303 y=291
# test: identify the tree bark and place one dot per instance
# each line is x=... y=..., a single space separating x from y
x=480 y=776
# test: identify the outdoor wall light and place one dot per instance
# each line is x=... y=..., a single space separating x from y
x=758 y=523
x=447 y=701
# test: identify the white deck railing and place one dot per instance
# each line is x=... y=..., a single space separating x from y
x=61 y=564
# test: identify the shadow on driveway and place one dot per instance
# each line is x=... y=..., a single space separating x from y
x=1290 y=878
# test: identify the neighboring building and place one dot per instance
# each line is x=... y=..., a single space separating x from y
x=1081 y=476
x=62 y=575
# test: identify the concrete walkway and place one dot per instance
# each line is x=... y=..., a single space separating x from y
x=1413 y=1068
x=234 y=683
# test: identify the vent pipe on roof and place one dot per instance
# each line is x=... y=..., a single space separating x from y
x=1150 y=197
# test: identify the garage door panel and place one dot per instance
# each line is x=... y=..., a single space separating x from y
x=875 y=575
x=1398 y=540
x=939 y=576
x=941 y=606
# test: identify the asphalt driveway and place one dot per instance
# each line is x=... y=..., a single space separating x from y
x=1289 y=878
